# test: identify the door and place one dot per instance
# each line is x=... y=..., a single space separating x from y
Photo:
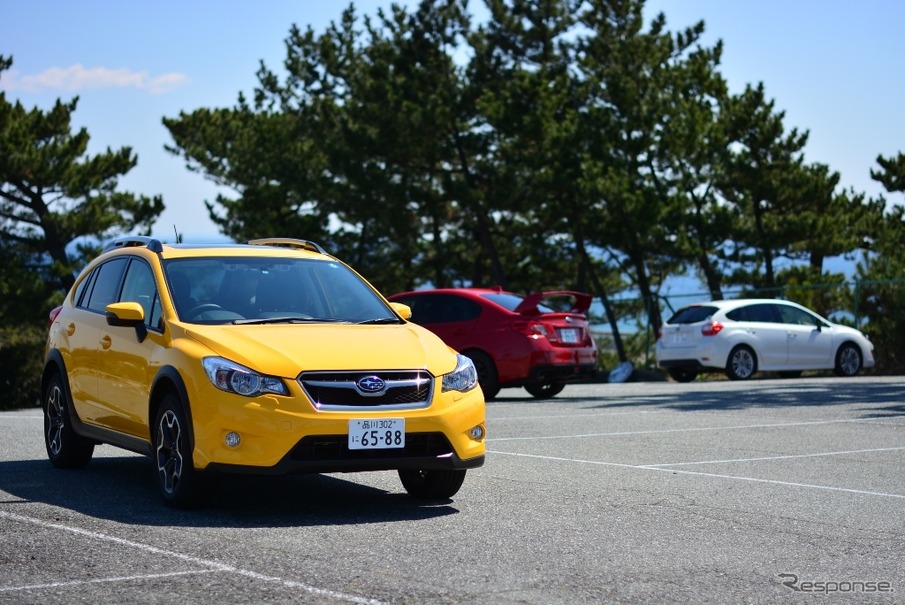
x=810 y=345
x=89 y=320
x=450 y=317
x=126 y=364
x=765 y=331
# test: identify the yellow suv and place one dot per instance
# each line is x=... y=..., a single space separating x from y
x=270 y=357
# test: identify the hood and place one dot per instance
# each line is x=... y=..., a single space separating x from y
x=288 y=349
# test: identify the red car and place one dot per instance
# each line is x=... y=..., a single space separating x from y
x=539 y=341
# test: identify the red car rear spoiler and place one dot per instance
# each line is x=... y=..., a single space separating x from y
x=581 y=301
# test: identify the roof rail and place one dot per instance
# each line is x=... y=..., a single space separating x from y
x=135 y=241
x=288 y=242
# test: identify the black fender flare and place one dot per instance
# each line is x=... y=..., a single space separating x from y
x=54 y=363
x=169 y=379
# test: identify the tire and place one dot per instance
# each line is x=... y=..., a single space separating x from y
x=431 y=484
x=545 y=390
x=487 y=374
x=179 y=483
x=742 y=363
x=682 y=375
x=848 y=360
x=65 y=448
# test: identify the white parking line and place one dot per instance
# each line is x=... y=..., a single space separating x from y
x=777 y=482
x=212 y=565
x=714 y=475
x=155 y=576
x=783 y=457
x=686 y=430
x=591 y=415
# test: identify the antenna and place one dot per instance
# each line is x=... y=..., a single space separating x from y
x=178 y=239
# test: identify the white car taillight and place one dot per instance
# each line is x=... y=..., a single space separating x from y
x=711 y=329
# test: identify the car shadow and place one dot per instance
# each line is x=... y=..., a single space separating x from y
x=770 y=394
x=122 y=489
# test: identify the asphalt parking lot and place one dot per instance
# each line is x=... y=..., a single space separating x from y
x=769 y=491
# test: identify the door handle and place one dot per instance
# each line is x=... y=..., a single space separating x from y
x=106 y=341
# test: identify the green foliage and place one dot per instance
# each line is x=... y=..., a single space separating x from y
x=55 y=201
x=637 y=347
x=21 y=361
x=882 y=303
x=825 y=293
x=52 y=194
x=880 y=299
x=26 y=296
x=892 y=173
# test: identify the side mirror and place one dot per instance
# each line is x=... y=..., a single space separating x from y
x=128 y=314
x=404 y=311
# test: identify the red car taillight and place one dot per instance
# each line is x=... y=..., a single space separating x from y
x=530 y=328
x=711 y=329
x=53 y=315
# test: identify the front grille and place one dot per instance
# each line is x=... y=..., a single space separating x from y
x=318 y=448
x=391 y=390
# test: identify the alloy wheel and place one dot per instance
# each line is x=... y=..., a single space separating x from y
x=169 y=451
x=54 y=420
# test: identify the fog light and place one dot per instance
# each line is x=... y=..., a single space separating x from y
x=233 y=439
x=477 y=433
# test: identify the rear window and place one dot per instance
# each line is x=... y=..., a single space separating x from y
x=512 y=301
x=692 y=315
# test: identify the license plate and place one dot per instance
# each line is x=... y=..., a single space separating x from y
x=569 y=335
x=679 y=338
x=377 y=434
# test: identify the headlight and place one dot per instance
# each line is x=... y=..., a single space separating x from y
x=463 y=378
x=234 y=378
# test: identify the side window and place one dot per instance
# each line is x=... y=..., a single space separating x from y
x=761 y=313
x=791 y=315
x=105 y=289
x=425 y=309
x=82 y=288
x=442 y=308
x=740 y=314
x=139 y=287
x=461 y=309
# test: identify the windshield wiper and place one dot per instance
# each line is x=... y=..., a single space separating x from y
x=284 y=320
x=379 y=320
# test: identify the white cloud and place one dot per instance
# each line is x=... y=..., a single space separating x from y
x=77 y=78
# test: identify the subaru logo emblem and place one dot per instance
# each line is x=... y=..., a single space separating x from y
x=371 y=384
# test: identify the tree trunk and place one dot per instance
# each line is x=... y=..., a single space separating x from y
x=604 y=299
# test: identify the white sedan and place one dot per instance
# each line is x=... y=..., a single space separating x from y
x=741 y=337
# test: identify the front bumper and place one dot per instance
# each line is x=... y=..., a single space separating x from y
x=281 y=435
x=330 y=454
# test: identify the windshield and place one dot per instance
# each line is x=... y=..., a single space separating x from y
x=260 y=290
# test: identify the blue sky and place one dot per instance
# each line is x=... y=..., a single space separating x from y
x=834 y=67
